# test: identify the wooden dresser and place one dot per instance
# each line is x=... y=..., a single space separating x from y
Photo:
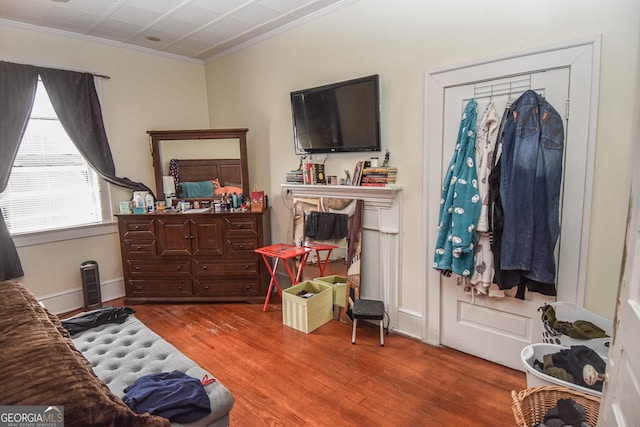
x=197 y=257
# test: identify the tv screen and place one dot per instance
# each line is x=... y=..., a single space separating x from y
x=339 y=117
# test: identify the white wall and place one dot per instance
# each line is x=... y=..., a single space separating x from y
x=400 y=40
x=145 y=92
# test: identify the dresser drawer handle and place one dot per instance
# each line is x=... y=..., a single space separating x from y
x=180 y=287
x=247 y=286
x=240 y=225
x=241 y=246
x=137 y=268
x=138 y=288
x=136 y=227
x=138 y=247
x=205 y=267
x=179 y=268
x=246 y=266
x=206 y=288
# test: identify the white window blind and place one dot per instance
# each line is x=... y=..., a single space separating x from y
x=51 y=185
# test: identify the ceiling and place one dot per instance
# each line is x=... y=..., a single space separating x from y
x=196 y=29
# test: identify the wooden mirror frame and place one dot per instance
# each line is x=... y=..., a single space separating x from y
x=164 y=135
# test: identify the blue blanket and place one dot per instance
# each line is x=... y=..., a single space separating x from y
x=197 y=189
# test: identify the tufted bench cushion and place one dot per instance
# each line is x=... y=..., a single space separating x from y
x=121 y=353
x=40 y=366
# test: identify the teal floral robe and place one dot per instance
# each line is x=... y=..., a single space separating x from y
x=460 y=203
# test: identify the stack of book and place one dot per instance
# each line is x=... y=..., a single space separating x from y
x=378 y=177
x=295 y=177
x=310 y=173
x=357 y=173
x=313 y=173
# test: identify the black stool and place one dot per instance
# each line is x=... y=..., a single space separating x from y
x=368 y=309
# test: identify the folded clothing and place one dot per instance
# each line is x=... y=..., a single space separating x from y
x=566 y=413
x=172 y=395
x=555 y=371
x=579 y=364
x=326 y=225
x=579 y=329
x=100 y=316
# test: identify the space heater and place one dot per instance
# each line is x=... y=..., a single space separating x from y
x=91 y=284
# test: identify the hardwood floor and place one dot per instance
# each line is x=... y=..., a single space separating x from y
x=282 y=377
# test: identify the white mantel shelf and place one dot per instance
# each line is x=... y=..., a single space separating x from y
x=380 y=197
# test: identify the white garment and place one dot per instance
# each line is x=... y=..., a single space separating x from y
x=487 y=134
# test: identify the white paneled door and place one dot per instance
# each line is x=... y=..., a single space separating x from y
x=497 y=329
x=502 y=326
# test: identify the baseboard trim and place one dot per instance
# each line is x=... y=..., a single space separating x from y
x=72 y=299
x=410 y=323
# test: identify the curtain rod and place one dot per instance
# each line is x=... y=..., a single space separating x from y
x=102 y=76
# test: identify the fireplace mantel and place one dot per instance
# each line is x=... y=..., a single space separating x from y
x=380 y=261
x=375 y=197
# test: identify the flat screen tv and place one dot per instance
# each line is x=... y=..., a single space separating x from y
x=339 y=117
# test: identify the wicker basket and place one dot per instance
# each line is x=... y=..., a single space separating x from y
x=531 y=405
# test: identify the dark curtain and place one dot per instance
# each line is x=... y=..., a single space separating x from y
x=74 y=97
x=17 y=92
x=75 y=100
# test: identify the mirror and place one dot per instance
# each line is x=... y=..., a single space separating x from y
x=200 y=155
x=336 y=222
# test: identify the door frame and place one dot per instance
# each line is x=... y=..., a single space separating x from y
x=583 y=59
x=621 y=388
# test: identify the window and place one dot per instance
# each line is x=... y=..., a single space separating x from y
x=51 y=186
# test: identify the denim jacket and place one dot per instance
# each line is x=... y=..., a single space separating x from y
x=530 y=178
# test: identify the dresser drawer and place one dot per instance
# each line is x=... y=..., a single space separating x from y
x=241 y=226
x=159 y=268
x=227 y=287
x=159 y=288
x=226 y=267
x=241 y=246
x=137 y=228
x=138 y=248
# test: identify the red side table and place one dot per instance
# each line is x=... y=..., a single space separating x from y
x=285 y=252
x=319 y=247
